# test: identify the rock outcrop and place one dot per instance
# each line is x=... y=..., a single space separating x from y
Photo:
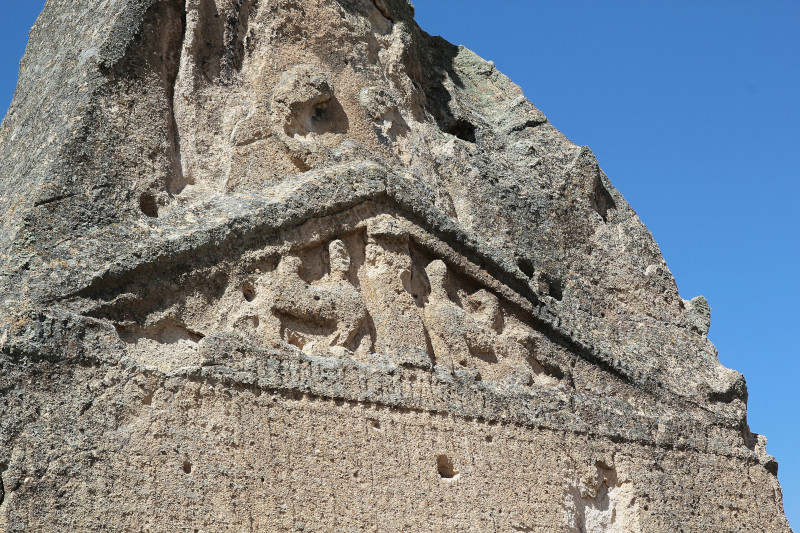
x=296 y=265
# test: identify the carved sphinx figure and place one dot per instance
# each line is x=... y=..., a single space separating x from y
x=313 y=316
x=385 y=284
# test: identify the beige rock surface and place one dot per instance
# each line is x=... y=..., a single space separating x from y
x=295 y=265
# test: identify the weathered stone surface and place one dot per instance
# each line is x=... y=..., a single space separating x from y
x=286 y=265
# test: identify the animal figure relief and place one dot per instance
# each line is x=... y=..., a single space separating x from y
x=479 y=336
x=455 y=335
x=313 y=316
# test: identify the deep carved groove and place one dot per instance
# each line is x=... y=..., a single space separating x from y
x=178 y=181
x=236 y=37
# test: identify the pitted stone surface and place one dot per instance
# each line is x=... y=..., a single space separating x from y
x=282 y=265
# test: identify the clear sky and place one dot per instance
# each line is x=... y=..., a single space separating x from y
x=693 y=109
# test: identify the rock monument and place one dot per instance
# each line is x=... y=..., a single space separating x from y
x=296 y=265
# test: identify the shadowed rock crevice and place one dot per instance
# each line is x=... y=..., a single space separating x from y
x=163 y=333
x=149 y=70
x=177 y=181
x=602 y=202
x=222 y=38
x=463 y=129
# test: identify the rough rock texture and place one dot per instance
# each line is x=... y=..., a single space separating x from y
x=295 y=265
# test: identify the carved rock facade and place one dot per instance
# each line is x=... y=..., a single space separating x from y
x=295 y=265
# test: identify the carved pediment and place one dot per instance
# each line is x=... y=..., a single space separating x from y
x=194 y=265
x=366 y=284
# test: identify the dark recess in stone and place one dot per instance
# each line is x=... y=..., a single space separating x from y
x=249 y=292
x=444 y=466
x=602 y=200
x=463 y=129
x=771 y=465
x=526 y=266
x=554 y=287
x=148 y=204
x=736 y=391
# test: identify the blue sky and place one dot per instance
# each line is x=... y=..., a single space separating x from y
x=692 y=108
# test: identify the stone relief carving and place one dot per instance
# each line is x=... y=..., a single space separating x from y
x=292 y=130
x=478 y=335
x=386 y=285
x=456 y=336
x=320 y=317
x=370 y=291
x=603 y=500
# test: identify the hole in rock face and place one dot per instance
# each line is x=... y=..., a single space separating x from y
x=602 y=201
x=329 y=117
x=489 y=438
x=320 y=112
x=148 y=204
x=463 y=129
x=326 y=116
x=296 y=339
x=147 y=399
x=554 y=287
x=526 y=266
x=249 y=292
x=187 y=467
x=444 y=466
x=301 y=165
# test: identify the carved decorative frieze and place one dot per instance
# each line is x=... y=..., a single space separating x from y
x=370 y=288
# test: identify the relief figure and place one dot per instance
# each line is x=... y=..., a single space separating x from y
x=456 y=336
x=314 y=316
x=385 y=283
x=481 y=335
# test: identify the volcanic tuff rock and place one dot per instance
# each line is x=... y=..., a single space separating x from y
x=283 y=265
